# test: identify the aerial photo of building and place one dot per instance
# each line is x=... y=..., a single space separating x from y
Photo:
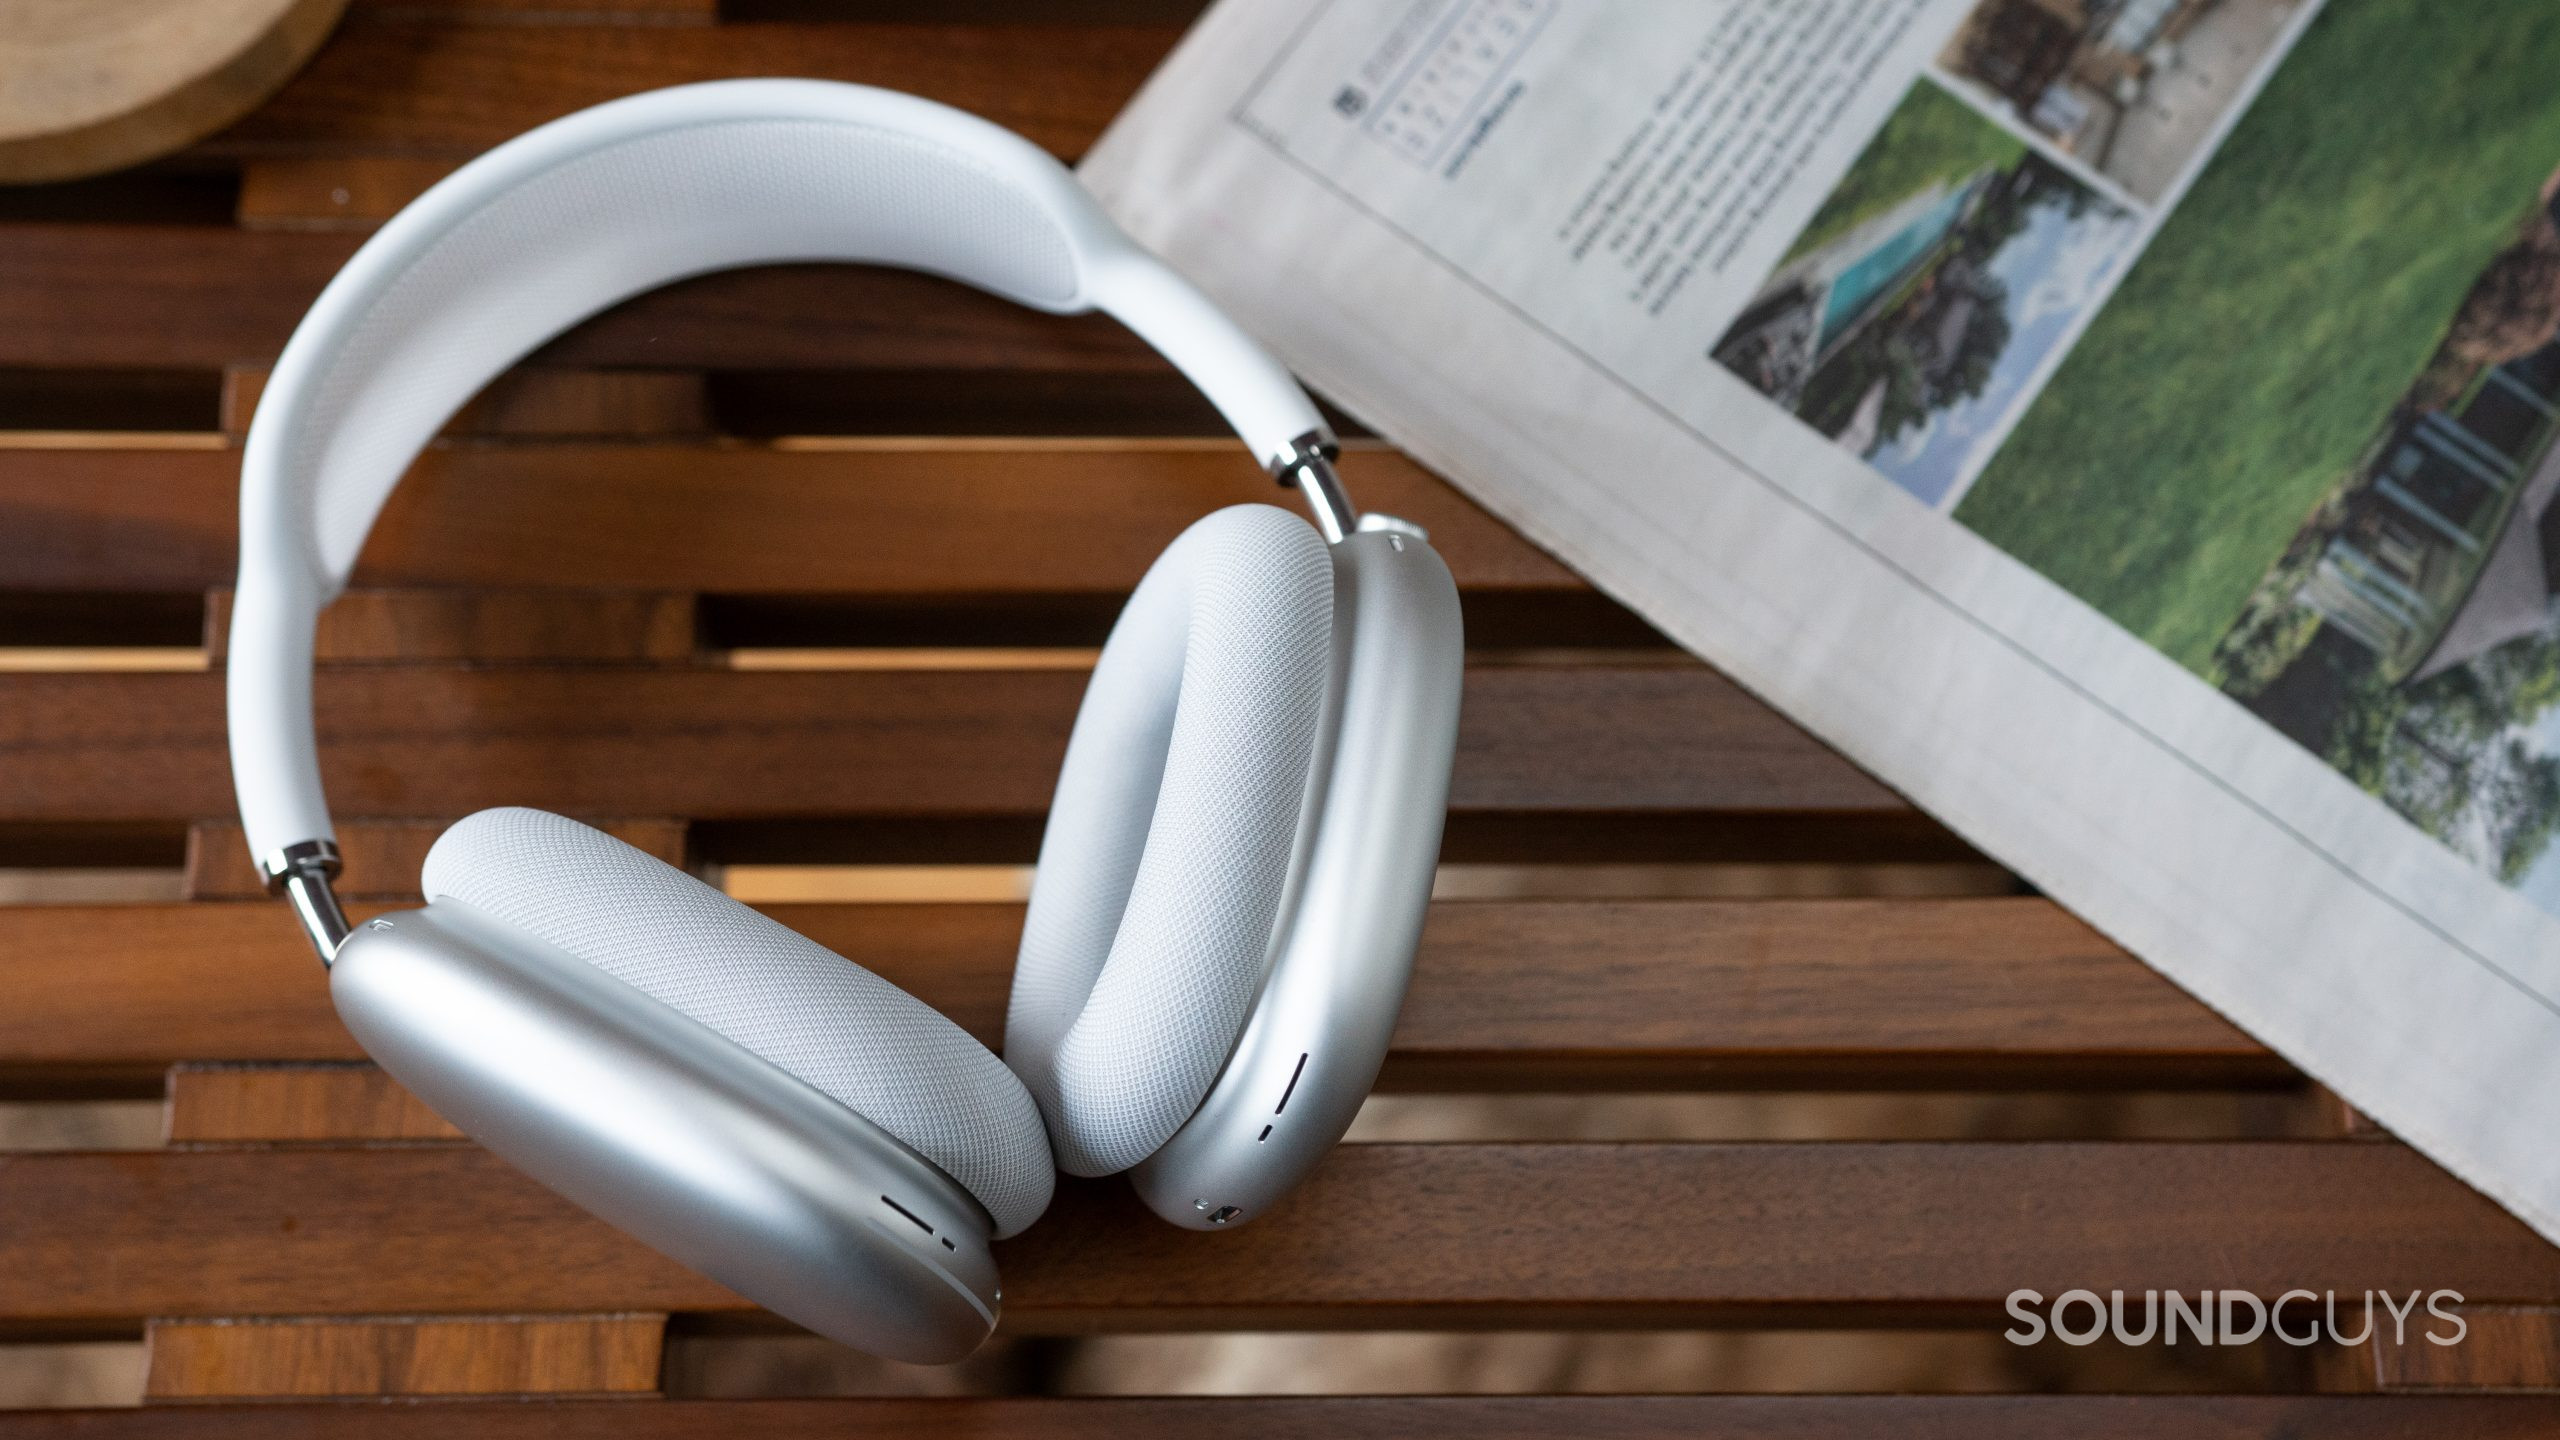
x=2132 y=88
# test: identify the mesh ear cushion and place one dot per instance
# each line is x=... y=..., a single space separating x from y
x=1170 y=839
x=881 y=1052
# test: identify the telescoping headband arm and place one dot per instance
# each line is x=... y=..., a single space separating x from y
x=589 y=210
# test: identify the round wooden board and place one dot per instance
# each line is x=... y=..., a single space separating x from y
x=93 y=85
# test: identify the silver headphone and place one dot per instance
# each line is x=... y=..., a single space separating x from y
x=1237 y=861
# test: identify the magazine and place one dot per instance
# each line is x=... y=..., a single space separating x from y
x=2125 y=426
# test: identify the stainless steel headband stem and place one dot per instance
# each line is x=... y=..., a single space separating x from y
x=301 y=872
x=1308 y=465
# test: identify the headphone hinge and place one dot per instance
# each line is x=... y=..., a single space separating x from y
x=300 y=872
x=1308 y=465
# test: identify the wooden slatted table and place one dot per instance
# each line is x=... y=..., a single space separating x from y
x=794 y=572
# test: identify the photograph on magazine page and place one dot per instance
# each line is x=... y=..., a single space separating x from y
x=2134 y=90
x=1910 y=317
x=2301 y=438
x=2306 y=450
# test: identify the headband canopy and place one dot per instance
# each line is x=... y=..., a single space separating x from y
x=585 y=212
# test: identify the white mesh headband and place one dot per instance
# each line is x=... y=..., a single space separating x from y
x=577 y=215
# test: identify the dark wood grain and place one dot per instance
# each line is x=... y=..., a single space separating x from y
x=535 y=402
x=1683 y=1417
x=1472 y=837
x=202 y=297
x=401 y=740
x=332 y=192
x=626 y=627
x=1515 y=994
x=438 y=89
x=538 y=12
x=889 y=518
x=1382 y=1236
x=191 y=297
x=2498 y=1348
x=489 y=1355
x=229 y=1104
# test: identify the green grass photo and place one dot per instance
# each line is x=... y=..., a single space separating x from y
x=2305 y=450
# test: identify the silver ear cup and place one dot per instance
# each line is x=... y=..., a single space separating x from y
x=852 y=1036
x=1358 y=893
x=666 y=1129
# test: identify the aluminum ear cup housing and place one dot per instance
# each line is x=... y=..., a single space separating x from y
x=1360 y=887
x=668 y=1130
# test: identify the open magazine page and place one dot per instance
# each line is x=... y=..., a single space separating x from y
x=2126 y=426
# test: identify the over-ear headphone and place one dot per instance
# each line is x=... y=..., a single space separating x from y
x=1237 y=860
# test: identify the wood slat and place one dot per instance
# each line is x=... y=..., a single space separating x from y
x=124 y=295
x=1518 y=994
x=480 y=1355
x=536 y=12
x=403 y=740
x=381 y=858
x=2501 y=1348
x=1518 y=1417
x=539 y=403
x=230 y=1104
x=202 y=297
x=874 y=517
x=1382 y=1236
x=450 y=91
x=332 y=192
x=490 y=626
x=1886 y=839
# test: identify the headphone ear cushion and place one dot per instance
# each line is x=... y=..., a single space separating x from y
x=844 y=1031
x=1171 y=836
